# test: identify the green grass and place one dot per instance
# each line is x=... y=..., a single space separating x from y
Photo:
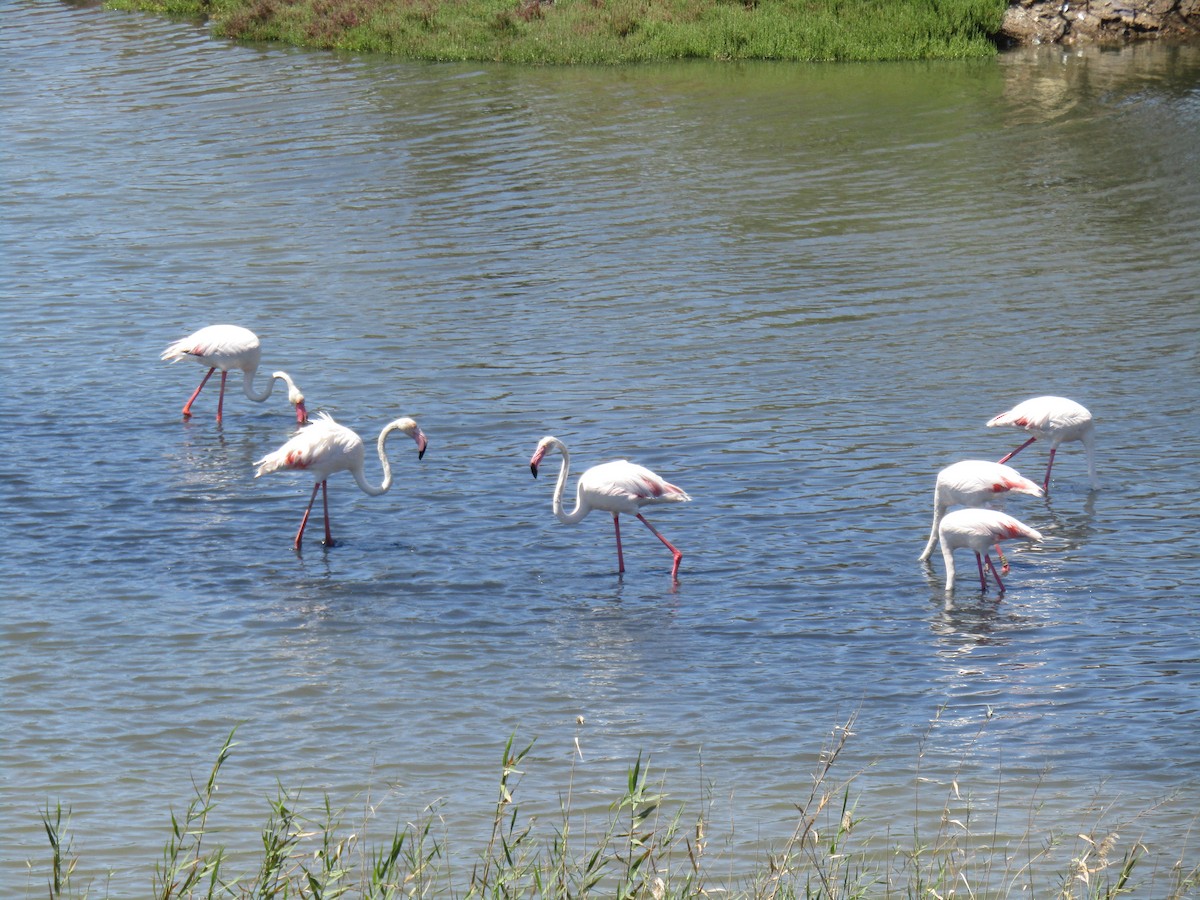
x=611 y=31
x=645 y=845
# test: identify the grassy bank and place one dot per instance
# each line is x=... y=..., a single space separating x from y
x=610 y=31
x=645 y=845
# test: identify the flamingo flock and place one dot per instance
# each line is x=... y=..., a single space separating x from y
x=323 y=447
x=976 y=485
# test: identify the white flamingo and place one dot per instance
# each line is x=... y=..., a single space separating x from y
x=974 y=482
x=324 y=447
x=978 y=529
x=228 y=347
x=614 y=487
x=1057 y=420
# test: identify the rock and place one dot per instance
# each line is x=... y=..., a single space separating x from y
x=1099 y=21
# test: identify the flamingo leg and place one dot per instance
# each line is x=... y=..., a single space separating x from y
x=304 y=521
x=1049 y=466
x=221 y=398
x=982 y=580
x=620 y=556
x=187 y=407
x=674 y=552
x=1005 y=459
x=995 y=574
x=325 y=498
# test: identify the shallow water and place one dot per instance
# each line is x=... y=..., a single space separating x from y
x=794 y=291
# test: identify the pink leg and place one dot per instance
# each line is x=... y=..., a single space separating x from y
x=187 y=407
x=325 y=498
x=995 y=574
x=304 y=521
x=1005 y=459
x=620 y=556
x=675 y=553
x=1049 y=466
x=982 y=580
x=221 y=399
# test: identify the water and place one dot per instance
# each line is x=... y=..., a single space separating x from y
x=794 y=291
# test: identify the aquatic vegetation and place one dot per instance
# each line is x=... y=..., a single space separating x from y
x=650 y=845
x=611 y=31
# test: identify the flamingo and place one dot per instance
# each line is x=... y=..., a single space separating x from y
x=228 y=347
x=978 y=529
x=974 y=482
x=1057 y=419
x=615 y=487
x=324 y=447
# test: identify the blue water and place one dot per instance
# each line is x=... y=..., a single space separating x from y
x=796 y=292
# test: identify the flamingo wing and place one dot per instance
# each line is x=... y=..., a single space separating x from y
x=1044 y=415
x=977 y=479
x=216 y=344
x=321 y=447
x=623 y=486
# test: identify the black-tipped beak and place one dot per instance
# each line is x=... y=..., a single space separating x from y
x=421 y=453
x=533 y=469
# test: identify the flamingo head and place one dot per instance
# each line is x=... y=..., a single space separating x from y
x=413 y=430
x=543 y=447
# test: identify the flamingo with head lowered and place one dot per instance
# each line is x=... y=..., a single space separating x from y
x=979 y=529
x=614 y=487
x=227 y=347
x=324 y=447
x=974 y=482
x=1057 y=420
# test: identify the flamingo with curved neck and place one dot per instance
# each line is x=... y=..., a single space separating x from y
x=1057 y=420
x=978 y=529
x=974 y=482
x=227 y=347
x=614 y=487
x=323 y=447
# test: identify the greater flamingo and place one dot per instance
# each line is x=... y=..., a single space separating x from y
x=1059 y=421
x=978 y=529
x=615 y=487
x=974 y=482
x=324 y=447
x=228 y=347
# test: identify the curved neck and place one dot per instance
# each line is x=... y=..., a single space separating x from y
x=248 y=385
x=575 y=515
x=939 y=510
x=380 y=445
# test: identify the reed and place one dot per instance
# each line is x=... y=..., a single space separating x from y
x=611 y=32
x=650 y=846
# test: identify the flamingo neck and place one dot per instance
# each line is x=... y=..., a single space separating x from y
x=248 y=376
x=948 y=556
x=939 y=510
x=580 y=510
x=381 y=446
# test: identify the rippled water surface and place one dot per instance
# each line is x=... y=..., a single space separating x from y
x=794 y=291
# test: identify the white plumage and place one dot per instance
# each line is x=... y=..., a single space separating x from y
x=614 y=487
x=323 y=448
x=1057 y=420
x=231 y=347
x=979 y=529
x=974 y=482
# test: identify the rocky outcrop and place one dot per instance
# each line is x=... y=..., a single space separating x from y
x=1099 y=21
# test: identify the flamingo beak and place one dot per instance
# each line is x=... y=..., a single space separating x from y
x=422 y=443
x=301 y=414
x=537 y=458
